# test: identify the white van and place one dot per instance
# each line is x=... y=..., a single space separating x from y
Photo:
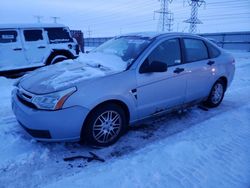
x=35 y=45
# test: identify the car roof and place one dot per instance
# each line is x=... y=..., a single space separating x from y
x=34 y=25
x=161 y=34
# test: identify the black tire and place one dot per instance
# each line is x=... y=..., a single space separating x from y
x=97 y=127
x=216 y=94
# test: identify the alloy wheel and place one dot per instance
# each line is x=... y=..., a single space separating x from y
x=217 y=93
x=107 y=126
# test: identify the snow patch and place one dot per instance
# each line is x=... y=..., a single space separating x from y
x=86 y=66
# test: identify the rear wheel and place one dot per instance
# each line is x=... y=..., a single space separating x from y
x=216 y=95
x=105 y=125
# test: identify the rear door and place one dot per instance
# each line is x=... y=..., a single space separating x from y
x=36 y=46
x=11 y=50
x=198 y=68
x=159 y=91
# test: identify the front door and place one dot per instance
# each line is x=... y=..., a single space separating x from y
x=11 y=50
x=159 y=91
x=36 y=46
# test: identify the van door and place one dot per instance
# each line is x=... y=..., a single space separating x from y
x=36 y=46
x=11 y=50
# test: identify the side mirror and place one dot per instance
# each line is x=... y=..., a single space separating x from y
x=155 y=66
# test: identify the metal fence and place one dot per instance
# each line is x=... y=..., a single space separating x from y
x=232 y=40
x=227 y=40
x=94 y=42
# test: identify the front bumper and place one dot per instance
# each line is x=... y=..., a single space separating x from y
x=59 y=125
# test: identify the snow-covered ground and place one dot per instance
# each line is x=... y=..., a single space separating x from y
x=195 y=149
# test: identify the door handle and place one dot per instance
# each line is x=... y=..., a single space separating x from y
x=40 y=47
x=210 y=62
x=17 y=49
x=179 y=70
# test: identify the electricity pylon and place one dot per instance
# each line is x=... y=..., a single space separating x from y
x=166 y=18
x=38 y=18
x=193 y=20
x=55 y=18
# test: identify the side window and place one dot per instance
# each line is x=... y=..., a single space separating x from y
x=8 y=36
x=167 y=52
x=213 y=51
x=58 y=35
x=33 y=35
x=195 y=50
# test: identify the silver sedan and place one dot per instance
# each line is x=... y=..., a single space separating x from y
x=127 y=79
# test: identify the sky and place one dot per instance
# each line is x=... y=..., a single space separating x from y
x=98 y=18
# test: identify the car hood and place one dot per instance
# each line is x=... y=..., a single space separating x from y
x=71 y=72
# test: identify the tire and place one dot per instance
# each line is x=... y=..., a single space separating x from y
x=216 y=94
x=57 y=59
x=105 y=125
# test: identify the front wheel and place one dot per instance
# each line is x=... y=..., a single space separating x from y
x=105 y=125
x=57 y=59
x=216 y=95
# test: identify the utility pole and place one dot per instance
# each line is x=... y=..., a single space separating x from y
x=166 y=18
x=89 y=32
x=38 y=18
x=193 y=20
x=55 y=18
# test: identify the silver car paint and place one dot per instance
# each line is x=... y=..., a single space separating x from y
x=194 y=83
x=54 y=121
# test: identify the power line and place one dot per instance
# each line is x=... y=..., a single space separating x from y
x=114 y=12
x=115 y=16
x=223 y=2
x=118 y=20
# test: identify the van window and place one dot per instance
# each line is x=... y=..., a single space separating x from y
x=58 y=35
x=195 y=50
x=8 y=36
x=33 y=35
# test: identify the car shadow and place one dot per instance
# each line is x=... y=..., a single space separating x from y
x=148 y=132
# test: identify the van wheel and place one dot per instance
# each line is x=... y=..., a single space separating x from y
x=105 y=125
x=57 y=59
x=216 y=94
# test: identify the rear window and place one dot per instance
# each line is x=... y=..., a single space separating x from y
x=196 y=50
x=8 y=36
x=58 y=35
x=213 y=51
x=33 y=35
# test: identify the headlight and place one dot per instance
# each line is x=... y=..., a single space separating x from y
x=52 y=101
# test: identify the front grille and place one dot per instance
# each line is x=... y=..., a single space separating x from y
x=25 y=98
x=26 y=103
x=37 y=133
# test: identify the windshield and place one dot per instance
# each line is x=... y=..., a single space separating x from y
x=126 y=47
